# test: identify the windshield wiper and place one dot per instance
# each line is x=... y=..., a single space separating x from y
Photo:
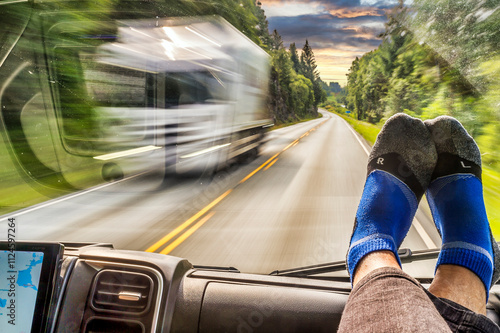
x=406 y=256
x=217 y=268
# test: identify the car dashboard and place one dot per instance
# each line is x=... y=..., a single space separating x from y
x=96 y=288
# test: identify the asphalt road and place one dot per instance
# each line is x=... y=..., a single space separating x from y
x=292 y=206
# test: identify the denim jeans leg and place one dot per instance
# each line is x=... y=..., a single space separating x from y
x=389 y=300
x=460 y=319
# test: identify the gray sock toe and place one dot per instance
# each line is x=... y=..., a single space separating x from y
x=408 y=143
x=450 y=136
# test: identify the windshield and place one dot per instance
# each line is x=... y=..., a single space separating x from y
x=229 y=133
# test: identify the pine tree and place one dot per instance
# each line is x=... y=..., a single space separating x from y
x=310 y=71
x=262 y=26
x=294 y=56
x=276 y=41
x=308 y=62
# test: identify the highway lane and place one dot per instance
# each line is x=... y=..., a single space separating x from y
x=297 y=212
x=296 y=209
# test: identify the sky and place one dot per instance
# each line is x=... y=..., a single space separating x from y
x=337 y=30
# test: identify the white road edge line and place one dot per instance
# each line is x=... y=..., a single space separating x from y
x=68 y=197
x=416 y=223
x=423 y=234
x=356 y=136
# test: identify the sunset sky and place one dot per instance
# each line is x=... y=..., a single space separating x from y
x=337 y=30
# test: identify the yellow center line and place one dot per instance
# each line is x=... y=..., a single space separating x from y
x=183 y=226
x=294 y=142
x=188 y=233
x=270 y=164
x=291 y=144
x=202 y=212
x=257 y=170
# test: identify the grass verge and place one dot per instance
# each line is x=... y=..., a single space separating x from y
x=491 y=184
x=365 y=129
x=295 y=122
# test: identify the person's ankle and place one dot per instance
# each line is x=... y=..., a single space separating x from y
x=373 y=261
x=460 y=285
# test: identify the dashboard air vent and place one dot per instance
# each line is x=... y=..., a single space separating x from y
x=121 y=291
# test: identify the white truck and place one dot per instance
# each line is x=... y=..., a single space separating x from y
x=207 y=90
x=113 y=96
x=185 y=94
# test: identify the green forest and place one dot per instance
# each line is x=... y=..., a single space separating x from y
x=433 y=62
x=296 y=88
x=436 y=58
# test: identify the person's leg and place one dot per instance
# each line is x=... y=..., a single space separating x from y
x=373 y=261
x=462 y=319
x=460 y=285
x=466 y=264
x=384 y=299
x=389 y=300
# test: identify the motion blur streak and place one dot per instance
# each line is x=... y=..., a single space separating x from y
x=204 y=151
x=125 y=153
x=183 y=226
x=188 y=233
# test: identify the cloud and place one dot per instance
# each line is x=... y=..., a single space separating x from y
x=337 y=30
x=338 y=8
x=326 y=30
x=356 y=12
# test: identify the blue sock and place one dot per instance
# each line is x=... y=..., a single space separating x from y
x=399 y=169
x=383 y=219
x=458 y=210
x=455 y=196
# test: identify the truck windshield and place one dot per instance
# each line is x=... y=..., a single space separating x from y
x=230 y=133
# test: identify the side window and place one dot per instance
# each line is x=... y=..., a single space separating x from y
x=23 y=114
x=104 y=99
x=76 y=108
x=113 y=86
x=196 y=87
